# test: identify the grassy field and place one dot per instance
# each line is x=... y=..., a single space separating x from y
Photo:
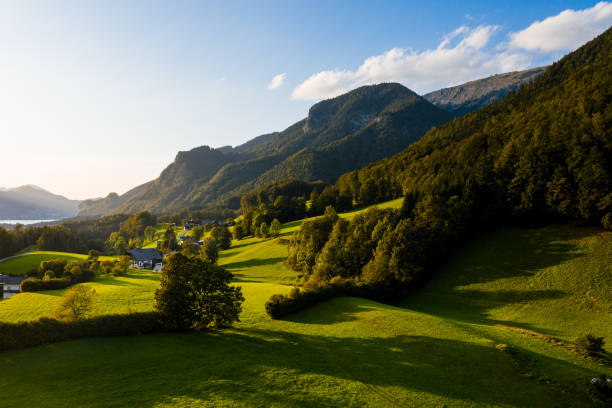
x=451 y=344
x=19 y=265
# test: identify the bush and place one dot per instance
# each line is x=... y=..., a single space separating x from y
x=107 y=266
x=55 y=283
x=31 y=285
x=46 y=330
x=312 y=293
x=590 y=345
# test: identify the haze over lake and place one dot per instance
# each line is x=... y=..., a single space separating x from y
x=24 y=222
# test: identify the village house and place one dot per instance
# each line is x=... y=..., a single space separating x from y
x=9 y=285
x=145 y=258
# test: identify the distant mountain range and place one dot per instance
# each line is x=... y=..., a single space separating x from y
x=472 y=95
x=339 y=135
x=31 y=202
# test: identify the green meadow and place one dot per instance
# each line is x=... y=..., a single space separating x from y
x=454 y=343
x=21 y=264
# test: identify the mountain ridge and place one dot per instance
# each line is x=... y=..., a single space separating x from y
x=384 y=118
x=33 y=202
x=472 y=95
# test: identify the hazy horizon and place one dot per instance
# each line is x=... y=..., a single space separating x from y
x=100 y=97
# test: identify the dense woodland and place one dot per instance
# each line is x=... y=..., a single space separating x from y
x=543 y=154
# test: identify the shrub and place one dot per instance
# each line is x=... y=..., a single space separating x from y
x=590 y=345
x=312 y=293
x=31 y=285
x=55 y=283
x=107 y=266
x=48 y=275
x=46 y=330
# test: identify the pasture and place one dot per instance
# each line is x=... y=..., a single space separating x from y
x=456 y=343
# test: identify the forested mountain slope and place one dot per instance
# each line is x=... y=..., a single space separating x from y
x=544 y=152
x=339 y=135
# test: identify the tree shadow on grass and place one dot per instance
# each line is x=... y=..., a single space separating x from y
x=328 y=312
x=454 y=291
x=253 y=262
x=263 y=367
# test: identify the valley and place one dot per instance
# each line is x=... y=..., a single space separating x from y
x=445 y=345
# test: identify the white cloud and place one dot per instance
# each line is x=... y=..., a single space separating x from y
x=463 y=55
x=277 y=81
x=564 y=32
x=459 y=57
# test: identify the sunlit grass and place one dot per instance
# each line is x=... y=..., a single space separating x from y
x=436 y=348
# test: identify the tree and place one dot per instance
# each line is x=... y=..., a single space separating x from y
x=93 y=255
x=149 y=233
x=590 y=345
x=223 y=236
x=197 y=232
x=195 y=294
x=190 y=247
x=6 y=243
x=264 y=230
x=77 y=302
x=135 y=243
x=120 y=246
x=275 y=228
x=237 y=232
x=135 y=226
x=169 y=242
x=122 y=266
x=209 y=250
x=57 y=238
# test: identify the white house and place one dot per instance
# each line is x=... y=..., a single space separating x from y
x=10 y=285
x=145 y=258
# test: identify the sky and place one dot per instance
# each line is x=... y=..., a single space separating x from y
x=99 y=96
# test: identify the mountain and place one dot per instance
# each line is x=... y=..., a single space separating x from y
x=542 y=153
x=339 y=135
x=472 y=95
x=32 y=202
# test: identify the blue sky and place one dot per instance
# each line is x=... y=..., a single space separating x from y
x=100 y=96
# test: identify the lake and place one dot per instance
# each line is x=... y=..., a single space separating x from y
x=24 y=222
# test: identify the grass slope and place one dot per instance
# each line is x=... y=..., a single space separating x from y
x=440 y=347
x=19 y=265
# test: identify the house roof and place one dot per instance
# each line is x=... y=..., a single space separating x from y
x=147 y=254
x=11 y=280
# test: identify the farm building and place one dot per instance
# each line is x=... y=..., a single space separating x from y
x=145 y=258
x=10 y=285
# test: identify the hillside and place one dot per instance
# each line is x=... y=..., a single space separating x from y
x=456 y=343
x=34 y=203
x=468 y=97
x=339 y=135
x=541 y=154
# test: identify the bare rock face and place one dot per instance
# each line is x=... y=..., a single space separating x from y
x=470 y=96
